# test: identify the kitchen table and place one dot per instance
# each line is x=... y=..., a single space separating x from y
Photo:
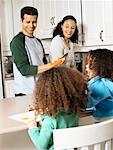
x=13 y=134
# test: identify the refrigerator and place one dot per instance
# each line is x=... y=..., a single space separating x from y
x=2 y=87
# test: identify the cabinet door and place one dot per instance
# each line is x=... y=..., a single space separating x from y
x=17 y=6
x=97 y=22
x=69 y=7
x=53 y=11
x=9 y=88
x=75 y=10
x=46 y=18
x=6 y=25
x=50 y=13
x=61 y=9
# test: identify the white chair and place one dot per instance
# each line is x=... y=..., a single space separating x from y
x=90 y=137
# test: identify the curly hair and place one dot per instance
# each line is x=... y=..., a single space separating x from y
x=59 y=88
x=101 y=62
x=58 y=29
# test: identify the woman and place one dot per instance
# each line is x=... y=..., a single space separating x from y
x=64 y=35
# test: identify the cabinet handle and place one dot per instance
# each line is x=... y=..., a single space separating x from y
x=101 y=35
x=52 y=20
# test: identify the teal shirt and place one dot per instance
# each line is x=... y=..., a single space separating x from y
x=43 y=137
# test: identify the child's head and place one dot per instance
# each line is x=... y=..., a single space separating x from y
x=59 y=88
x=99 y=62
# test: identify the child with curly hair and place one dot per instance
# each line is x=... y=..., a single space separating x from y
x=58 y=93
x=99 y=68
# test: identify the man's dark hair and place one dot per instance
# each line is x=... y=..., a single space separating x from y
x=29 y=11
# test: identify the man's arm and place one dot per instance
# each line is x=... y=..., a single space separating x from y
x=20 y=57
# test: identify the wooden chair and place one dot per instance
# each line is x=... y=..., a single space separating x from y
x=90 y=137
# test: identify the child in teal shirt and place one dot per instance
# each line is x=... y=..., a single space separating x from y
x=58 y=93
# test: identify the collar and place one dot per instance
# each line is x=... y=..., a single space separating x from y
x=94 y=79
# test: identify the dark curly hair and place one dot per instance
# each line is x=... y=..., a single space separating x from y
x=59 y=88
x=58 y=29
x=101 y=62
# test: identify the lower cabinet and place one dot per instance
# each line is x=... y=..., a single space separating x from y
x=9 y=88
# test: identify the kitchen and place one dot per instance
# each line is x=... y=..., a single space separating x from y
x=95 y=29
x=95 y=22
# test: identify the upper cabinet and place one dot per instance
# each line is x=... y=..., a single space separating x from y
x=53 y=11
x=7 y=31
x=97 y=17
x=69 y=7
x=94 y=19
x=46 y=18
x=11 y=22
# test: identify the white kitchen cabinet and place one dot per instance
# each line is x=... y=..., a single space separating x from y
x=46 y=18
x=97 y=22
x=6 y=25
x=67 y=7
x=94 y=19
x=61 y=9
x=74 y=8
x=17 y=5
x=11 y=21
x=9 y=88
x=53 y=11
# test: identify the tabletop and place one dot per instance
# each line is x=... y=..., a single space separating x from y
x=12 y=106
x=16 y=105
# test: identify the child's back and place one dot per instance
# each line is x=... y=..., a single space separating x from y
x=58 y=93
x=100 y=84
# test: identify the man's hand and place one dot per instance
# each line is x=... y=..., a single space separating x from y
x=48 y=66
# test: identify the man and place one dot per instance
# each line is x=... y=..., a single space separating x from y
x=27 y=53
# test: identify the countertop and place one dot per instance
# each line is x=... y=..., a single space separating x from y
x=13 y=134
x=12 y=106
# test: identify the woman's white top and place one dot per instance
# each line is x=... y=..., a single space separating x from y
x=58 y=48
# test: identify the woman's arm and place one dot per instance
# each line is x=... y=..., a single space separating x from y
x=56 y=48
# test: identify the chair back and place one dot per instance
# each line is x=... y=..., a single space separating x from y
x=90 y=137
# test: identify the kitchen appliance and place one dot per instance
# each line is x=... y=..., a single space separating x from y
x=2 y=87
x=8 y=66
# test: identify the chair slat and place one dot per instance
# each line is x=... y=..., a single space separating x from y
x=100 y=135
